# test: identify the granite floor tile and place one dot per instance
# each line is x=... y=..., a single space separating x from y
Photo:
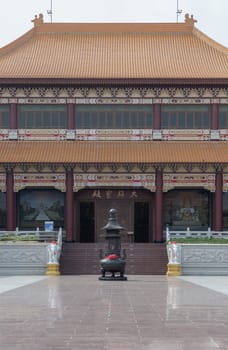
x=143 y=313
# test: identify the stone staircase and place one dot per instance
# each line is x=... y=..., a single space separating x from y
x=142 y=258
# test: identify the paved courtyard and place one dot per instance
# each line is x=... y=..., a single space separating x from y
x=143 y=313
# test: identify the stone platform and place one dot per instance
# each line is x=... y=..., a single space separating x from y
x=143 y=313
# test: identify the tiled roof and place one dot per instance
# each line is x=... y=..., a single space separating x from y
x=114 y=51
x=115 y=152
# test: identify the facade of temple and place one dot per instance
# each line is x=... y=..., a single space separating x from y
x=126 y=116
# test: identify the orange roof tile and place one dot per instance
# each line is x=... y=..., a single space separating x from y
x=114 y=51
x=115 y=152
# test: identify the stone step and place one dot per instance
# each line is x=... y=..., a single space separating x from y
x=142 y=258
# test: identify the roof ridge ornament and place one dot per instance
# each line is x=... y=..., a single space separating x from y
x=190 y=20
x=38 y=20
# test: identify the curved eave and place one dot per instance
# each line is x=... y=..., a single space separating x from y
x=118 y=152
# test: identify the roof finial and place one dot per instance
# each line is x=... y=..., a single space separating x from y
x=190 y=20
x=50 y=12
x=38 y=20
x=179 y=11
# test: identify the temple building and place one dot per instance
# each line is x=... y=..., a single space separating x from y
x=131 y=116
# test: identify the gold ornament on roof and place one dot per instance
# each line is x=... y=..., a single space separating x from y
x=190 y=19
x=38 y=20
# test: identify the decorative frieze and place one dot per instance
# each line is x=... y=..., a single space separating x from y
x=41 y=101
x=191 y=101
x=127 y=92
x=186 y=91
x=12 y=91
x=22 y=181
x=114 y=134
x=99 y=91
x=84 y=92
x=186 y=134
x=171 y=181
x=42 y=134
x=114 y=180
x=70 y=91
x=114 y=91
x=27 y=91
x=4 y=134
x=128 y=100
x=200 y=91
x=101 y=96
x=42 y=91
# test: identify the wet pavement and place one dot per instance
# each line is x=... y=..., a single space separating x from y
x=143 y=313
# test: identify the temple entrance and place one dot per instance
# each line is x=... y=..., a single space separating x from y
x=134 y=213
x=141 y=222
x=87 y=228
x=124 y=215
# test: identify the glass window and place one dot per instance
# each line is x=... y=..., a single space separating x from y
x=42 y=116
x=86 y=120
x=115 y=116
x=223 y=117
x=102 y=124
x=198 y=120
x=206 y=121
x=173 y=121
x=149 y=120
x=29 y=123
x=118 y=120
x=78 y=121
x=94 y=121
x=181 y=120
x=222 y=120
x=63 y=122
x=5 y=120
x=55 y=120
x=141 y=120
x=185 y=117
x=190 y=117
x=110 y=121
x=134 y=121
x=38 y=121
x=47 y=120
x=126 y=124
x=4 y=116
x=165 y=123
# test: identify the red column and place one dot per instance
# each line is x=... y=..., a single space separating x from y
x=69 y=204
x=13 y=116
x=157 y=116
x=218 y=207
x=214 y=114
x=159 y=206
x=70 y=116
x=10 y=201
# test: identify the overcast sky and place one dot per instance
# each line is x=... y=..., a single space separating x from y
x=16 y=15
